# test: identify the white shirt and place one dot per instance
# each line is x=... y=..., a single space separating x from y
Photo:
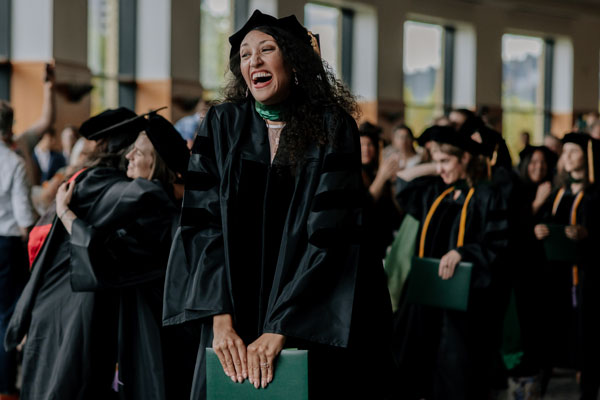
x=15 y=205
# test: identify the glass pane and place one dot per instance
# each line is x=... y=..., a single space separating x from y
x=522 y=90
x=423 y=74
x=418 y=118
x=324 y=21
x=215 y=29
x=103 y=52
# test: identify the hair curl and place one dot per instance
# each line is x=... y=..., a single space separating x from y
x=317 y=90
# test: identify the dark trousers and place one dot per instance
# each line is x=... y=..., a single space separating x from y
x=13 y=275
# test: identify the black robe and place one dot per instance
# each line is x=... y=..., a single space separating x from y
x=278 y=248
x=446 y=354
x=571 y=332
x=94 y=297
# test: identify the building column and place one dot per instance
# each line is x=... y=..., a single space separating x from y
x=488 y=81
x=48 y=32
x=168 y=55
x=586 y=51
x=390 y=69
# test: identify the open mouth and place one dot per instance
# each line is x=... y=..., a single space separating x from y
x=261 y=79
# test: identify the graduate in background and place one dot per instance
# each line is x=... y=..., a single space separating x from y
x=446 y=354
x=571 y=287
x=91 y=310
x=381 y=213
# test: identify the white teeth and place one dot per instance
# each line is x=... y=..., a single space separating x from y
x=261 y=75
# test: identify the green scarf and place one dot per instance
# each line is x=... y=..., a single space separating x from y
x=573 y=180
x=271 y=113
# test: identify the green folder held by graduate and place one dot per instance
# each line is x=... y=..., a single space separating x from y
x=558 y=247
x=427 y=288
x=290 y=380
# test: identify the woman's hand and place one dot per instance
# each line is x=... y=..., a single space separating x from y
x=261 y=354
x=63 y=198
x=448 y=264
x=576 y=232
x=542 y=193
x=389 y=167
x=229 y=348
x=541 y=231
x=387 y=170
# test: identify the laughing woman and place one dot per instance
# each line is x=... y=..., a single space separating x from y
x=267 y=254
x=446 y=354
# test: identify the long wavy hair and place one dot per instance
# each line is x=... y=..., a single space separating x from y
x=317 y=90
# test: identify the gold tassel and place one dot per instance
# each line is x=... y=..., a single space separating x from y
x=590 y=152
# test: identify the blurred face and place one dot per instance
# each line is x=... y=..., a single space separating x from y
x=141 y=158
x=68 y=139
x=537 y=168
x=572 y=158
x=263 y=68
x=595 y=132
x=456 y=119
x=402 y=140
x=449 y=167
x=88 y=148
x=367 y=150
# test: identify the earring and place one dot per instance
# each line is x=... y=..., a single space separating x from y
x=295 y=78
x=246 y=91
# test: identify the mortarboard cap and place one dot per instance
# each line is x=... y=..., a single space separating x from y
x=448 y=135
x=168 y=143
x=289 y=24
x=119 y=126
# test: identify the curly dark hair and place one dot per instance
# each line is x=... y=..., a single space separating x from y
x=317 y=90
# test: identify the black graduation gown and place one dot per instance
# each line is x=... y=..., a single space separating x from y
x=279 y=250
x=445 y=354
x=523 y=274
x=381 y=217
x=564 y=319
x=94 y=297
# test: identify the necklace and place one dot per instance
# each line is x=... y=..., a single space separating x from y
x=274 y=126
x=274 y=133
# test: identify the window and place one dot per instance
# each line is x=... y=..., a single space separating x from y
x=325 y=21
x=215 y=29
x=423 y=74
x=522 y=90
x=103 y=50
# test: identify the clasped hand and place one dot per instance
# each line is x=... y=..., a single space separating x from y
x=255 y=362
x=448 y=264
x=573 y=232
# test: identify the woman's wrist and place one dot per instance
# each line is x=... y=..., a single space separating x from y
x=61 y=213
x=222 y=321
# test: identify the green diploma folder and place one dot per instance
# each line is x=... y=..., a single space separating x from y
x=559 y=247
x=290 y=381
x=427 y=288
